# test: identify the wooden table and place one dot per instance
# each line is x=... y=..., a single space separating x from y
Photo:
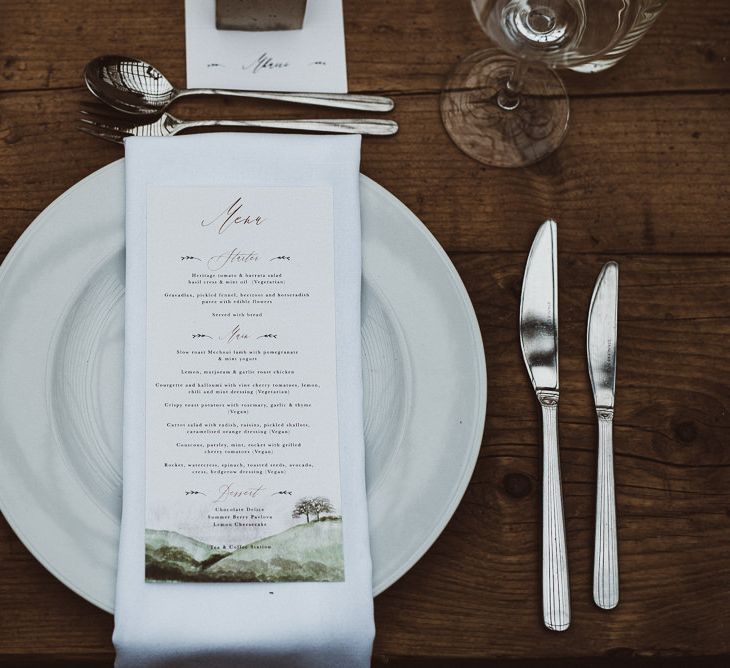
x=641 y=178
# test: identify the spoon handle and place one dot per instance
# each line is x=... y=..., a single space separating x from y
x=338 y=100
x=362 y=126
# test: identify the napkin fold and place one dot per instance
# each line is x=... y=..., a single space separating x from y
x=266 y=625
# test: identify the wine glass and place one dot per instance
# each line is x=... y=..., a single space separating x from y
x=512 y=110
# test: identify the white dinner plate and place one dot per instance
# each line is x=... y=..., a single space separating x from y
x=61 y=354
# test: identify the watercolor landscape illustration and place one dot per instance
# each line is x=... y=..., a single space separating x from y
x=310 y=551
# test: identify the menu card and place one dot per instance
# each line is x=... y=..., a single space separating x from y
x=242 y=452
x=311 y=59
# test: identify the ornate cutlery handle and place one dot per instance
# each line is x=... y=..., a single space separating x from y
x=555 y=587
x=361 y=126
x=338 y=100
x=605 y=559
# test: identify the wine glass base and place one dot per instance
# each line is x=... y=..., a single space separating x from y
x=504 y=132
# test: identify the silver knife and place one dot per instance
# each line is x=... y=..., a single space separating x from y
x=539 y=341
x=601 y=345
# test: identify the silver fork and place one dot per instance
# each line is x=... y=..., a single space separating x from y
x=98 y=121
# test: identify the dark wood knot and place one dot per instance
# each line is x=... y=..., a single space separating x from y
x=686 y=431
x=517 y=485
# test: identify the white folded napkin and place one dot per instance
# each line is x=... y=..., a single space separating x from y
x=215 y=625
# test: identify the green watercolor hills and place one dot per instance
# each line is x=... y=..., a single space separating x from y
x=304 y=553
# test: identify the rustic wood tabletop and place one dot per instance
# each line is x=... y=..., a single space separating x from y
x=643 y=178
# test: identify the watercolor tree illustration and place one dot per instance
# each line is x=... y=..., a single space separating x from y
x=309 y=551
x=312 y=507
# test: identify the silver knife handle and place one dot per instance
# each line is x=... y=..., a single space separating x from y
x=555 y=587
x=605 y=560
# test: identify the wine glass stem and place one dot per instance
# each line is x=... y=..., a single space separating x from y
x=509 y=97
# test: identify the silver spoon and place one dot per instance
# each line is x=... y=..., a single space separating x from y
x=136 y=87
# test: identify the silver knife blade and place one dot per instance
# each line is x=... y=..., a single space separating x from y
x=539 y=309
x=602 y=336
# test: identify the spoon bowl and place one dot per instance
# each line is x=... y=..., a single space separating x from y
x=129 y=85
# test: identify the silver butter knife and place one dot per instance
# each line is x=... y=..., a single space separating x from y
x=601 y=345
x=539 y=341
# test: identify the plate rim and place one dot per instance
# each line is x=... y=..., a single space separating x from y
x=480 y=395
x=477 y=436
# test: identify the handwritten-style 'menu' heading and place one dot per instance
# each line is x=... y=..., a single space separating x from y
x=231 y=216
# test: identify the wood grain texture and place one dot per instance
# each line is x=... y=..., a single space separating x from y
x=643 y=178
x=391 y=46
x=662 y=159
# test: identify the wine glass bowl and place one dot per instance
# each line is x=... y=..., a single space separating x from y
x=643 y=15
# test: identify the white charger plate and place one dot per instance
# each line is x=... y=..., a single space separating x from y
x=61 y=356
